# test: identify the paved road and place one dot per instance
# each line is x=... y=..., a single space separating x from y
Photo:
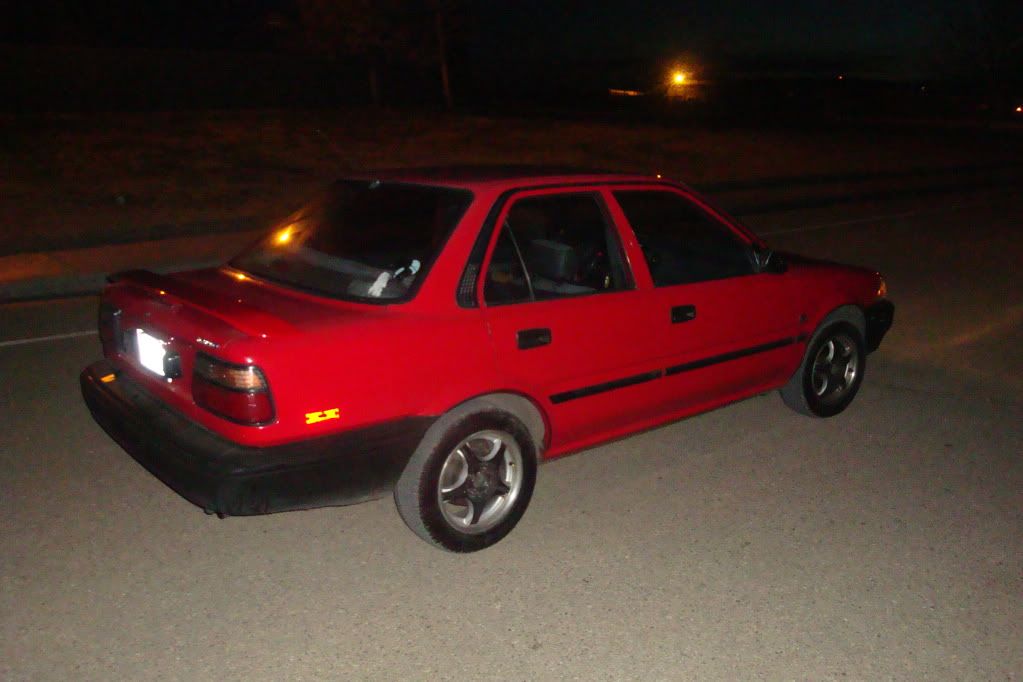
x=745 y=543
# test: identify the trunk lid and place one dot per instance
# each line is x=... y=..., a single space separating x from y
x=155 y=325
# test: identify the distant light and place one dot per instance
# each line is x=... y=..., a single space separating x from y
x=678 y=78
x=841 y=77
x=618 y=92
x=240 y=276
x=658 y=176
x=1019 y=110
x=284 y=236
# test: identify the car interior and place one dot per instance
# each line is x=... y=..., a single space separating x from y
x=563 y=242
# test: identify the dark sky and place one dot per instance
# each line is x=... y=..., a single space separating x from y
x=894 y=32
x=883 y=35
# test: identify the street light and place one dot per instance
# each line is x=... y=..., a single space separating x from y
x=678 y=77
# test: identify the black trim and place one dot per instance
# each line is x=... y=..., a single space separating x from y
x=231 y=479
x=682 y=313
x=533 y=338
x=607 y=386
x=734 y=355
x=675 y=369
x=879 y=318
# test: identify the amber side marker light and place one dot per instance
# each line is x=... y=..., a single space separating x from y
x=106 y=379
x=238 y=393
x=882 y=288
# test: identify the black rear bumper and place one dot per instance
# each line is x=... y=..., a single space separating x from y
x=234 y=480
x=879 y=320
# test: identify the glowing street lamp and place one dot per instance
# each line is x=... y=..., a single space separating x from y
x=678 y=78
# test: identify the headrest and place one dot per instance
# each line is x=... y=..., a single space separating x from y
x=553 y=260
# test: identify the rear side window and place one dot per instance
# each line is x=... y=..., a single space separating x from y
x=554 y=246
x=681 y=242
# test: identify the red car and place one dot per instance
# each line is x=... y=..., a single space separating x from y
x=440 y=332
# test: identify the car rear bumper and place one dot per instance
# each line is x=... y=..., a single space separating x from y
x=879 y=321
x=234 y=480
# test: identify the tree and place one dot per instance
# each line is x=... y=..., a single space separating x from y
x=365 y=29
x=448 y=20
x=378 y=31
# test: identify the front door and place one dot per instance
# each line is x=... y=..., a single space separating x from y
x=724 y=329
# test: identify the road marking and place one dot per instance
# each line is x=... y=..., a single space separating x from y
x=51 y=337
x=843 y=223
x=872 y=218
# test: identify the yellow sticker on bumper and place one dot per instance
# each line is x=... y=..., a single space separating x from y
x=317 y=417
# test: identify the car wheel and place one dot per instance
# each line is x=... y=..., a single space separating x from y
x=831 y=373
x=466 y=489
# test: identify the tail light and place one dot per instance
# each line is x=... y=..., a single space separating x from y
x=238 y=393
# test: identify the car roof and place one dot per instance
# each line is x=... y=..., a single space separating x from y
x=470 y=176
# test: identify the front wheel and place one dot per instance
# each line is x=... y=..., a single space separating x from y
x=831 y=373
x=469 y=488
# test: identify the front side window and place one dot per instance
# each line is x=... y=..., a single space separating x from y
x=682 y=243
x=554 y=246
x=363 y=240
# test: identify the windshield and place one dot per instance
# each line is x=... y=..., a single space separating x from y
x=362 y=240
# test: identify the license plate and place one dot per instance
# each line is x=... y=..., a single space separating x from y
x=150 y=351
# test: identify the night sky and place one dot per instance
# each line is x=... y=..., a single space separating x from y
x=886 y=35
x=899 y=34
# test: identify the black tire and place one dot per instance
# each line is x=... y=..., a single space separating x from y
x=823 y=387
x=460 y=524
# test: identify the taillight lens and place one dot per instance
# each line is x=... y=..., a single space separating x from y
x=235 y=392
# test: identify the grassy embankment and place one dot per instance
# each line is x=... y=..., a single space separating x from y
x=76 y=180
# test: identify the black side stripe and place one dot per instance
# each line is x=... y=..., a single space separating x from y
x=608 y=386
x=734 y=355
x=674 y=369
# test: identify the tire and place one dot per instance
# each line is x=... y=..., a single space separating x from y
x=466 y=488
x=831 y=373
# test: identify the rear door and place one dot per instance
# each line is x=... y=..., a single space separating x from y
x=568 y=325
x=722 y=328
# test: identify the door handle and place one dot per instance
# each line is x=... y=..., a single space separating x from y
x=682 y=313
x=533 y=338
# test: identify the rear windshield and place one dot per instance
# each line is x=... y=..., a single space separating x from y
x=363 y=240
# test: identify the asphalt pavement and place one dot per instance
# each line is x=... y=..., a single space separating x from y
x=746 y=543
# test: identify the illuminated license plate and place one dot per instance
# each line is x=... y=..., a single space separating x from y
x=150 y=351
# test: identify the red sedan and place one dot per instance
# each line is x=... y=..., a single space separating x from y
x=439 y=332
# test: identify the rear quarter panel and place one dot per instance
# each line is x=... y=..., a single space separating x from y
x=393 y=366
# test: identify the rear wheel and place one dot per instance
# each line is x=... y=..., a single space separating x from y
x=468 y=488
x=831 y=373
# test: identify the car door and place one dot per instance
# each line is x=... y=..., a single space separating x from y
x=567 y=324
x=724 y=329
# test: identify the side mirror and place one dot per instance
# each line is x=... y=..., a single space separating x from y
x=765 y=260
